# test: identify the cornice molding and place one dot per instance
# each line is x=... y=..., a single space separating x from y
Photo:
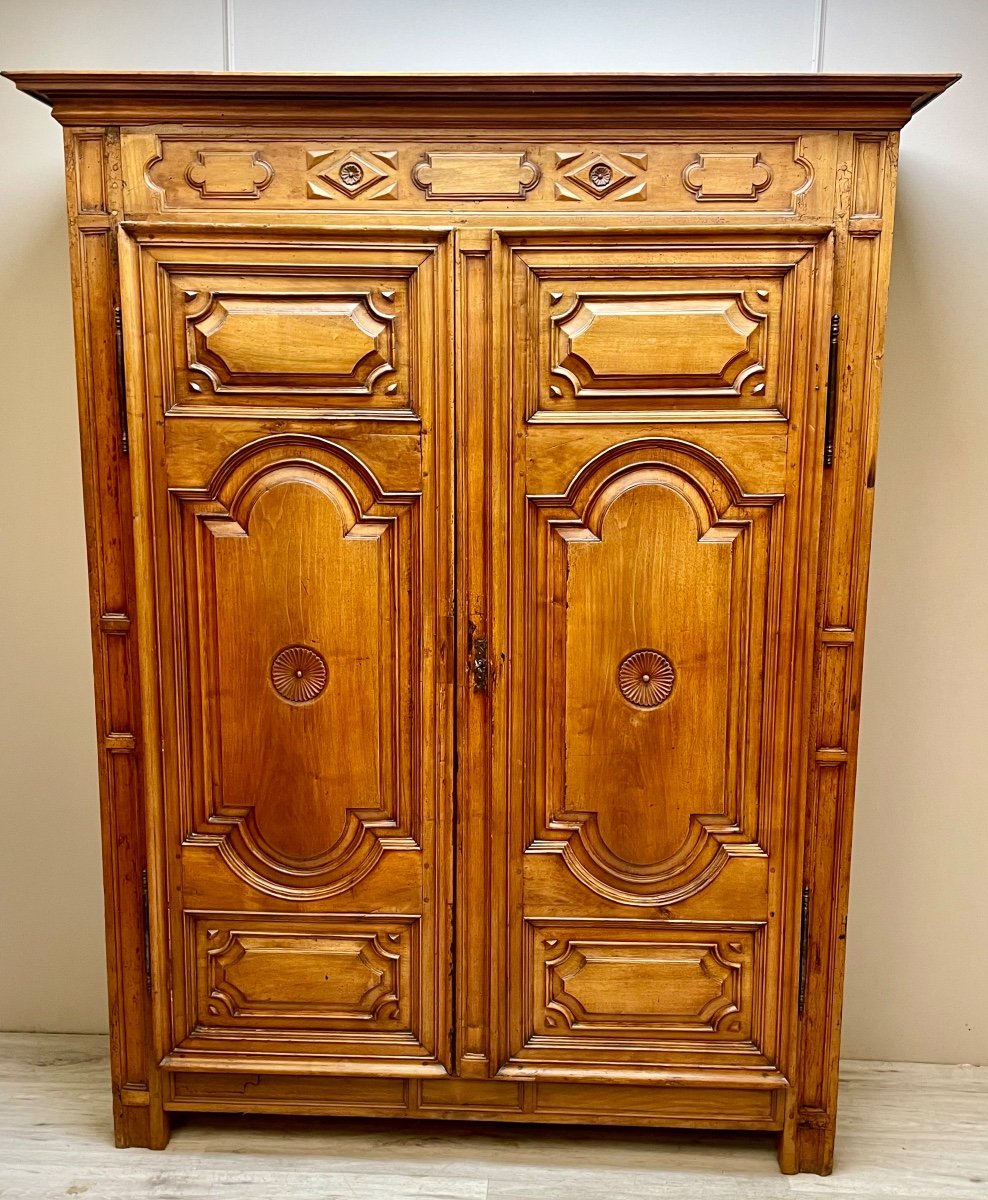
x=524 y=102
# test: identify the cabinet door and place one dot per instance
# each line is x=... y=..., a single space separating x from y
x=289 y=409
x=657 y=506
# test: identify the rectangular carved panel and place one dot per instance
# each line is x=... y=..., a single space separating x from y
x=330 y=973
x=228 y=174
x=713 y=177
x=338 y=342
x=317 y=331
x=279 y=340
x=476 y=176
x=636 y=980
x=663 y=332
x=642 y=346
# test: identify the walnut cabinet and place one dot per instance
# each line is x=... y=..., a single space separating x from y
x=479 y=479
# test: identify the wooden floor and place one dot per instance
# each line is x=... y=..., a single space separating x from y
x=907 y=1131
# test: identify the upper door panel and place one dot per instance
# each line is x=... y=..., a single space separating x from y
x=292 y=328
x=625 y=333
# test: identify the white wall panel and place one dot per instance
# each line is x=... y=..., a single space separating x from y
x=51 y=910
x=524 y=35
x=917 y=947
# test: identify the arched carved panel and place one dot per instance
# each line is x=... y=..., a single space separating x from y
x=295 y=561
x=652 y=547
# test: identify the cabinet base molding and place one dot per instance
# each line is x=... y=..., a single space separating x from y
x=488 y=1100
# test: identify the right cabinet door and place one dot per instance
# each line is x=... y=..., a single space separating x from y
x=661 y=446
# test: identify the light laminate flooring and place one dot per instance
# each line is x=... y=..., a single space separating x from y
x=907 y=1132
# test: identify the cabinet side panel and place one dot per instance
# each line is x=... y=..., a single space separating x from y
x=93 y=192
x=865 y=201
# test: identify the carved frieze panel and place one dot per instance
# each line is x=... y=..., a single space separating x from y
x=176 y=171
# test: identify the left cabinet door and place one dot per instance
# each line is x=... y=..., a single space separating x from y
x=289 y=411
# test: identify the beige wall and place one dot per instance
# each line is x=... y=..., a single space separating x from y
x=917 y=965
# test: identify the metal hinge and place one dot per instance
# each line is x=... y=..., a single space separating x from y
x=147 y=930
x=121 y=379
x=804 y=941
x=478 y=666
x=828 y=437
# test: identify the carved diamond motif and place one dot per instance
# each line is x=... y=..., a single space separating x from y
x=595 y=174
x=349 y=173
x=599 y=176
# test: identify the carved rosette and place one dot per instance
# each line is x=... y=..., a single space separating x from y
x=646 y=678
x=299 y=674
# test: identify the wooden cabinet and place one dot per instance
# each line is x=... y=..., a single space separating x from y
x=479 y=478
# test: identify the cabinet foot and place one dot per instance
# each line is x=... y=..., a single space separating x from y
x=148 y=1126
x=806 y=1149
